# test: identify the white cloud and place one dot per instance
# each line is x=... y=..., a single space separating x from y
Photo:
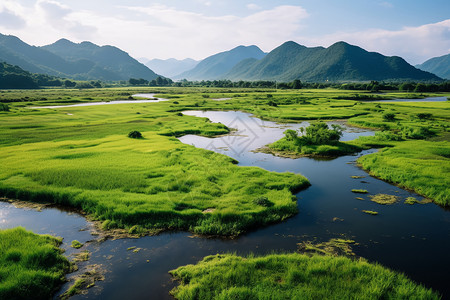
x=63 y=18
x=253 y=6
x=415 y=44
x=184 y=33
x=10 y=20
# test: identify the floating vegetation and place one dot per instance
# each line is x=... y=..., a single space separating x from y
x=370 y=212
x=359 y=191
x=384 y=199
x=131 y=248
x=334 y=247
x=85 y=281
x=76 y=244
x=137 y=250
x=359 y=198
x=82 y=256
x=412 y=201
x=337 y=219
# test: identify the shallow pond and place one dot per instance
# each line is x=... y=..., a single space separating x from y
x=414 y=239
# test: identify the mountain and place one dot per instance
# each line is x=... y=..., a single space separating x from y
x=14 y=77
x=111 y=63
x=171 y=67
x=83 y=61
x=339 y=62
x=437 y=65
x=215 y=66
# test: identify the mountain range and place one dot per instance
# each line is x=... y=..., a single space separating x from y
x=83 y=61
x=437 y=65
x=339 y=62
x=170 y=67
x=215 y=66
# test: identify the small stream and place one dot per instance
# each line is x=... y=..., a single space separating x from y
x=413 y=239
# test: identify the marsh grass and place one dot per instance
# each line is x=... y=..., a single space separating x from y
x=31 y=266
x=292 y=276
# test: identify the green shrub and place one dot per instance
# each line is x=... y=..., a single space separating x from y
x=389 y=117
x=135 y=134
x=4 y=107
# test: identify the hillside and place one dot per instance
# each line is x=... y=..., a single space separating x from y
x=110 y=62
x=437 y=65
x=215 y=66
x=171 y=67
x=83 y=61
x=339 y=62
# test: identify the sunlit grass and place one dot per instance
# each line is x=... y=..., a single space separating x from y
x=292 y=276
x=31 y=265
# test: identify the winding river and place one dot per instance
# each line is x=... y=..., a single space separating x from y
x=414 y=239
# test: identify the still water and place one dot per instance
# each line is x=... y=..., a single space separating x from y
x=414 y=239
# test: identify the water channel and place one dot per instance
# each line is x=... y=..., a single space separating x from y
x=413 y=239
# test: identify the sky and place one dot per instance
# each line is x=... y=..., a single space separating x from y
x=415 y=30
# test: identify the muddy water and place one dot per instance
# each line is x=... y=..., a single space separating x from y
x=414 y=239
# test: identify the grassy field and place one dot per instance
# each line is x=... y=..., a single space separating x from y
x=31 y=265
x=82 y=156
x=292 y=276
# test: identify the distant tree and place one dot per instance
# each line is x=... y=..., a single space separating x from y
x=296 y=84
x=140 y=81
x=319 y=133
x=69 y=83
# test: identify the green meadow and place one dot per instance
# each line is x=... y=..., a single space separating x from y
x=31 y=266
x=293 y=276
x=82 y=156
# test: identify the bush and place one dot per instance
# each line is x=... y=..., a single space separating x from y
x=263 y=201
x=135 y=134
x=389 y=117
x=4 y=107
x=318 y=134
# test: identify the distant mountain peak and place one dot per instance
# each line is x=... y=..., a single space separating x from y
x=339 y=62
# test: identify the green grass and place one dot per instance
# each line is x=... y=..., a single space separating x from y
x=82 y=157
x=292 y=276
x=419 y=165
x=31 y=265
x=285 y=147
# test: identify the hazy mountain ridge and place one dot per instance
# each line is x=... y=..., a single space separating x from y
x=82 y=61
x=215 y=66
x=437 y=65
x=171 y=67
x=340 y=61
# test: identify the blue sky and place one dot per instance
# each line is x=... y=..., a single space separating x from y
x=415 y=30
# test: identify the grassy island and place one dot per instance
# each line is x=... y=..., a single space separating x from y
x=316 y=140
x=293 y=276
x=31 y=265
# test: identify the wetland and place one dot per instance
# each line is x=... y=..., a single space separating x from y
x=197 y=178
